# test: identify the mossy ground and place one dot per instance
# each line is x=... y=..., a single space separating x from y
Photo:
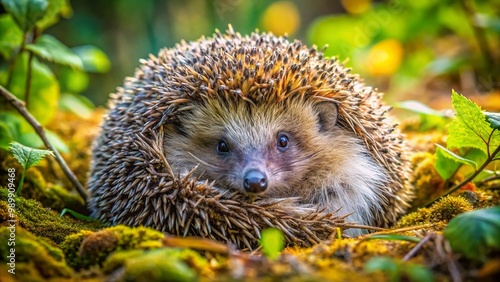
x=51 y=248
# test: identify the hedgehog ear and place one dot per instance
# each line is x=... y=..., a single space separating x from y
x=327 y=115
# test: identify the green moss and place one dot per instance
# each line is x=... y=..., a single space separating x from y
x=32 y=216
x=37 y=187
x=154 y=265
x=34 y=257
x=449 y=207
x=86 y=248
x=71 y=246
x=439 y=213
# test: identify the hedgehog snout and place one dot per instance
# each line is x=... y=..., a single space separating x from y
x=255 y=181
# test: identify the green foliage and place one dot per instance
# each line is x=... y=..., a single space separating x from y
x=471 y=129
x=52 y=50
x=27 y=157
x=475 y=234
x=154 y=265
x=493 y=119
x=272 y=241
x=429 y=118
x=36 y=259
x=397 y=270
x=443 y=152
x=40 y=221
x=31 y=61
x=26 y=13
x=93 y=58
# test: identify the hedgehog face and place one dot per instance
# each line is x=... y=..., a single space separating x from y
x=256 y=149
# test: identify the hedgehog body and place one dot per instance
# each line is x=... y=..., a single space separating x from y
x=259 y=123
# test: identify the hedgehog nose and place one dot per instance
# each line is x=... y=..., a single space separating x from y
x=255 y=181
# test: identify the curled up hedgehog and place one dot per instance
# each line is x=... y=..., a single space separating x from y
x=228 y=135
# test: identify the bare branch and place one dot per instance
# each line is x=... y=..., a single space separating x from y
x=20 y=107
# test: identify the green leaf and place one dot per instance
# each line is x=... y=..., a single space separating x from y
x=93 y=58
x=272 y=241
x=445 y=167
x=76 y=214
x=50 y=49
x=72 y=80
x=385 y=264
x=27 y=156
x=470 y=128
x=33 y=140
x=452 y=156
x=44 y=95
x=419 y=108
x=55 y=9
x=334 y=31
x=5 y=136
x=475 y=234
x=26 y=13
x=76 y=104
x=418 y=273
x=10 y=36
x=394 y=237
x=493 y=119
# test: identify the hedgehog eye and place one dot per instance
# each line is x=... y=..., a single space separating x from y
x=222 y=148
x=282 y=142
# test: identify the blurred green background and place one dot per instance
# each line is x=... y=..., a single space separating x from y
x=408 y=49
x=395 y=45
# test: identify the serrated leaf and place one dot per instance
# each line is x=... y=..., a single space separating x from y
x=50 y=49
x=493 y=119
x=272 y=241
x=55 y=9
x=470 y=128
x=11 y=36
x=26 y=13
x=475 y=234
x=93 y=58
x=27 y=156
x=454 y=157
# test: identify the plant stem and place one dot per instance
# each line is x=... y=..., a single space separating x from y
x=468 y=179
x=19 y=106
x=12 y=64
x=27 y=88
x=18 y=193
x=29 y=70
x=480 y=35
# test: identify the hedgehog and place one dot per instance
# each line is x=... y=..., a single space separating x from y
x=225 y=136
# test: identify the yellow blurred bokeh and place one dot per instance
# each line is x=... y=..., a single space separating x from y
x=356 y=6
x=384 y=58
x=281 y=18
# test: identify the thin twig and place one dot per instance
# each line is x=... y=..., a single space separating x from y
x=418 y=246
x=20 y=107
x=468 y=179
x=404 y=229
